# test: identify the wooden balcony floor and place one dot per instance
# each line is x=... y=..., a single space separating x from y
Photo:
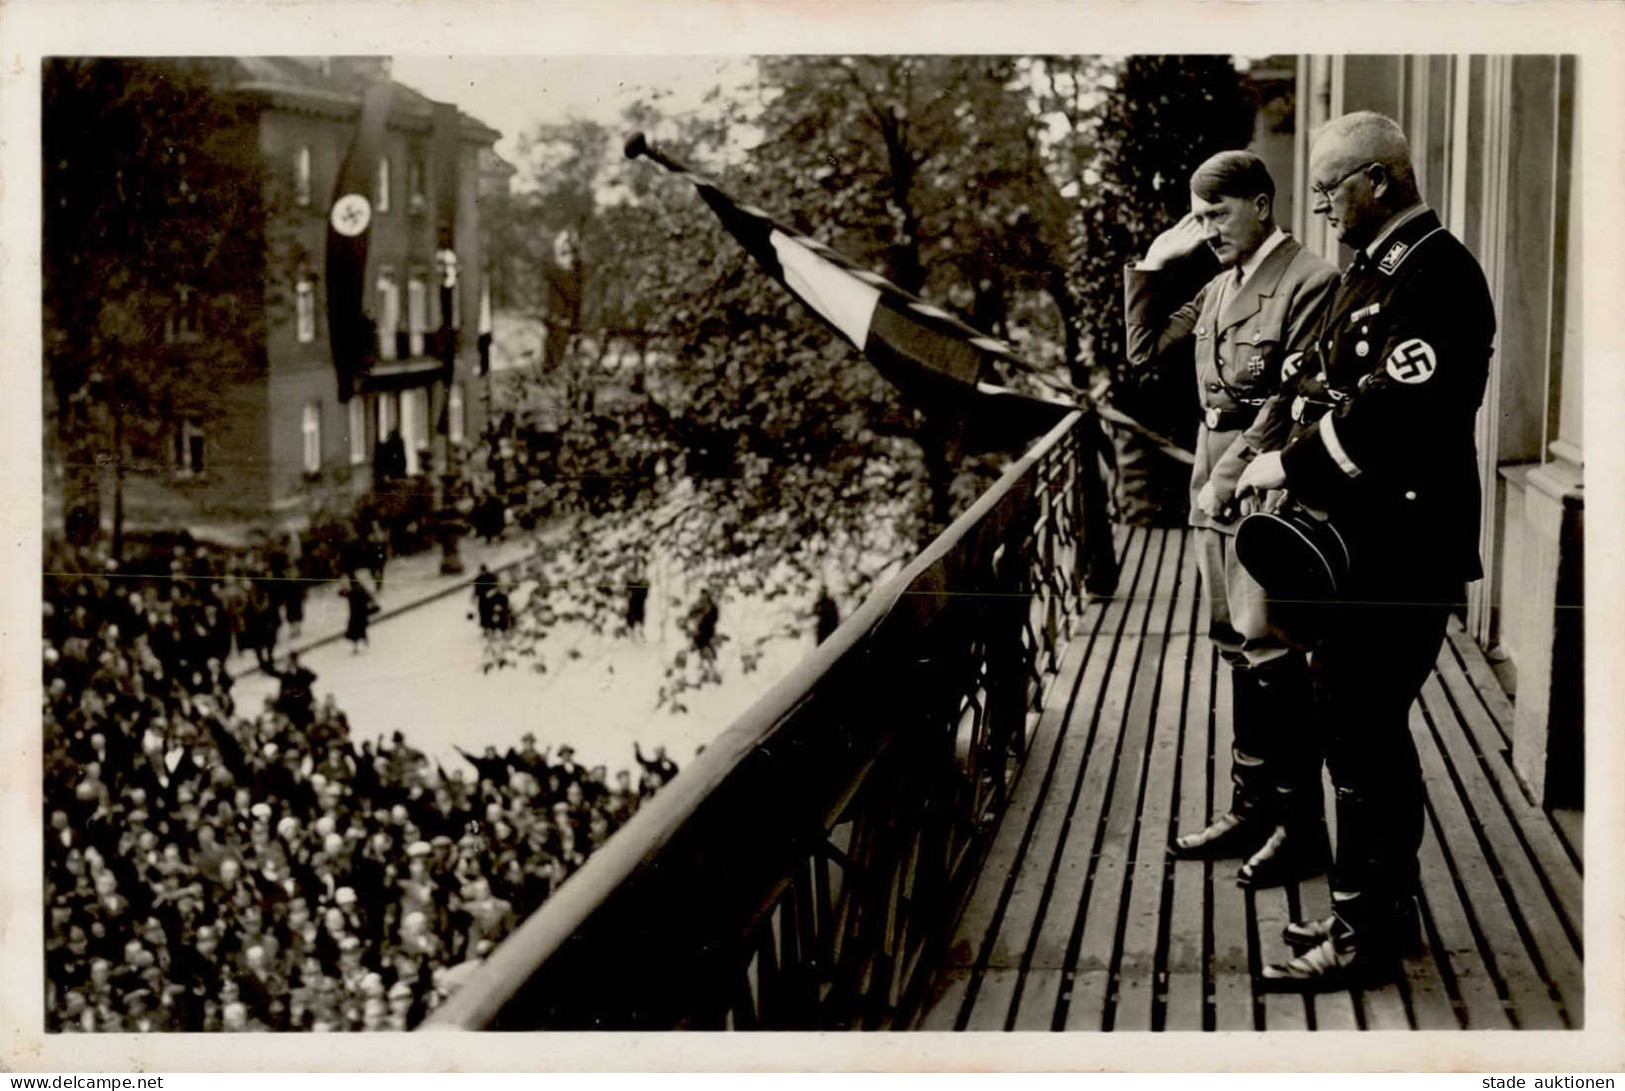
x=1079 y=921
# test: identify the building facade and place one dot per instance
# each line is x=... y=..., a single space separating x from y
x=1496 y=143
x=276 y=443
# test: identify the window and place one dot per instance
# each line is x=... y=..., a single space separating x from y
x=305 y=309
x=188 y=448
x=417 y=313
x=414 y=426
x=389 y=314
x=381 y=198
x=388 y=414
x=301 y=175
x=454 y=413
x=184 y=323
x=312 y=428
x=415 y=199
x=358 y=430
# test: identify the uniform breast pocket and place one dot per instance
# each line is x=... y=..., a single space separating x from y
x=1259 y=357
x=1361 y=340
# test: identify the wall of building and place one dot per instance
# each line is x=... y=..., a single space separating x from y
x=1494 y=143
x=403 y=242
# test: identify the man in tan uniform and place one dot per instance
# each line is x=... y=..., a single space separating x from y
x=1245 y=322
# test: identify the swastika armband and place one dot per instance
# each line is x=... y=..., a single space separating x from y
x=1290 y=366
x=1412 y=361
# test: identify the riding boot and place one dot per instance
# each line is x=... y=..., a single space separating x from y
x=1298 y=845
x=1248 y=823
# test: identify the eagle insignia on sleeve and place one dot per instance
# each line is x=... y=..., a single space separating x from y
x=1412 y=361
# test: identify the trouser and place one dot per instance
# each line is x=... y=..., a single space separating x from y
x=1368 y=669
x=1275 y=755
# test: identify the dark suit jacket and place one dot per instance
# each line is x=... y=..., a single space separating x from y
x=1404 y=352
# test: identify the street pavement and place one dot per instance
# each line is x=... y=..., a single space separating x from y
x=423 y=675
x=408 y=582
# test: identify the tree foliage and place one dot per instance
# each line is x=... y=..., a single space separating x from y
x=707 y=419
x=1158 y=118
x=152 y=251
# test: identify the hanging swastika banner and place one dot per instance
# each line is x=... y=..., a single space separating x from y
x=1412 y=361
x=351 y=215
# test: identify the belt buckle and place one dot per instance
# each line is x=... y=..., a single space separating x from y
x=1213 y=416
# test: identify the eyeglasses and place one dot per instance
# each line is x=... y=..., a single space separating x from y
x=1324 y=191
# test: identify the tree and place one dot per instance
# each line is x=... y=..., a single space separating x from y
x=1158 y=118
x=152 y=251
x=734 y=435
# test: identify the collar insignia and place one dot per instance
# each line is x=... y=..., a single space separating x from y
x=1396 y=254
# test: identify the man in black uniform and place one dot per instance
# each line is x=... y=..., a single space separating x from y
x=1383 y=443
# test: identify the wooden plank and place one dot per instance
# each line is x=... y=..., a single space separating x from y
x=1028 y=794
x=1384 y=1008
x=1282 y=1011
x=1031 y=875
x=997 y=988
x=1232 y=965
x=1430 y=1005
x=1525 y=988
x=1558 y=958
x=1040 y=992
x=1075 y=842
x=941 y=1011
x=1485 y=685
x=1137 y=964
x=1570 y=825
x=1187 y=972
x=1001 y=938
x=1457 y=952
x=1534 y=826
x=1096 y=951
x=1332 y=1010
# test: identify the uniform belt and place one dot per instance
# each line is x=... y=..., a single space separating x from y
x=1228 y=420
x=1307 y=410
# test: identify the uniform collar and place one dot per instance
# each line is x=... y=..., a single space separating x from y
x=1395 y=222
x=1247 y=268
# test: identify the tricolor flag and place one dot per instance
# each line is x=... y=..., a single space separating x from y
x=349 y=227
x=934 y=359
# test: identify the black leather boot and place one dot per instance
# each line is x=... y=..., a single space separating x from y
x=1344 y=957
x=1291 y=852
x=1242 y=829
x=1399 y=927
x=1297 y=846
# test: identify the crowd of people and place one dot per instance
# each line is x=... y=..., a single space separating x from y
x=215 y=868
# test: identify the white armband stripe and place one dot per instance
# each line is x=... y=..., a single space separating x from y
x=1334 y=447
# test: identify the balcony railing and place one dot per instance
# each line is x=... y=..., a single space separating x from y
x=805 y=871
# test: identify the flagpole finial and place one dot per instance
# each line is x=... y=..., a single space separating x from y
x=638 y=146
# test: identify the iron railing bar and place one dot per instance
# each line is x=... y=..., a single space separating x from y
x=478 y=1002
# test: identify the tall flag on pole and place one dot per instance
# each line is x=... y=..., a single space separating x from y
x=443 y=151
x=349 y=229
x=485 y=326
x=934 y=359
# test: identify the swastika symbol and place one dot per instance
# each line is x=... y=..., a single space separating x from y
x=351 y=215
x=1412 y=361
